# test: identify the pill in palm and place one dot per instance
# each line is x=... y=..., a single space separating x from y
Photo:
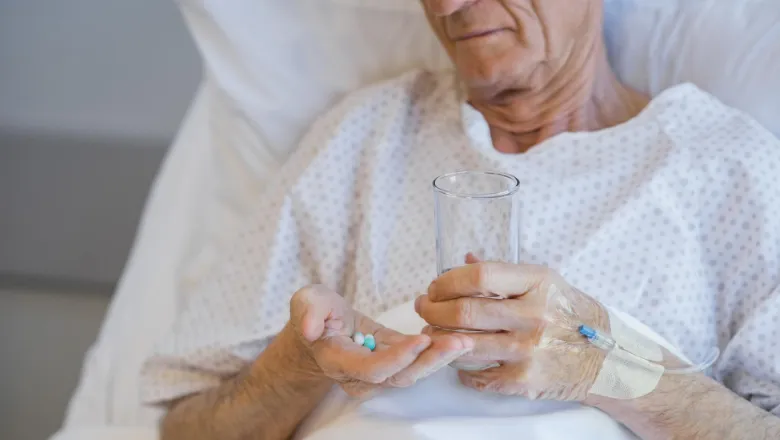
x=369 y=342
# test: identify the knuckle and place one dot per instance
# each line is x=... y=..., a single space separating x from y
x=519 y=345
x=422 y=307
x=373 y=377
x=464 y=316
x=481 y=275
x=303 y=295
x=432 y=289
x=298 y=304
x=515 y=346
x=356 y=390
x=489 y=386
x=400 y=382
x=308 y=296
x=545 y=276
x=493 y=386
x=477 y=384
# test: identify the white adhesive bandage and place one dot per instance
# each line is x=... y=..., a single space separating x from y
x=632 y=340
x=624 y=376
x=627 y=372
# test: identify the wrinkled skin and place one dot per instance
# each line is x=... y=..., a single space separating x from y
x=533 y=68
x=503 y=48
x=324 y=324
x=530 y=331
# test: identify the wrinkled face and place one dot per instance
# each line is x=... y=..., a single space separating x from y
x=504 y=48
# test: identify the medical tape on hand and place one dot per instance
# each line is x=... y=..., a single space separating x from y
x=633 y=340
x=627 y=371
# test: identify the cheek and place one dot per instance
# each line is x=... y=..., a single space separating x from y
x=569 y=24
x=498 y=62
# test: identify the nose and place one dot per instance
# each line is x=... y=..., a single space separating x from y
x=442 y=8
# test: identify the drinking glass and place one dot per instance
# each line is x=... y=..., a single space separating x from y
x=477 y=213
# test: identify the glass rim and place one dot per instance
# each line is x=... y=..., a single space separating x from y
x=515 y=185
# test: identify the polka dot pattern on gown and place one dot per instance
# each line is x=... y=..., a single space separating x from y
x=671 y=217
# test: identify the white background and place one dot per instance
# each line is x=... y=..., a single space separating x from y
x=91 y=94
x=123 y=68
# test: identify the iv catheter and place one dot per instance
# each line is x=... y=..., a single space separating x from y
x=606 y=343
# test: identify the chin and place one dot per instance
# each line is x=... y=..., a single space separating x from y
x=488 y=73
x=495 y=85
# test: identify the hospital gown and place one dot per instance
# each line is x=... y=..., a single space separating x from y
x=671 y=217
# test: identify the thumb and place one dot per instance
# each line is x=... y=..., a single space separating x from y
x=312 y=326
x=310 y=308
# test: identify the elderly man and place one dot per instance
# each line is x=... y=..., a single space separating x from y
x=663 y=210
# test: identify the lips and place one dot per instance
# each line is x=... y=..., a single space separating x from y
x=478 y=34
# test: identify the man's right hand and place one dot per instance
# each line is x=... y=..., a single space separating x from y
x=323 y=325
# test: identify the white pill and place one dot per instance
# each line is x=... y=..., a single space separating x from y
x=359 y=338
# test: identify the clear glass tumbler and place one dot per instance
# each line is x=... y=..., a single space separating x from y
x=477 y=212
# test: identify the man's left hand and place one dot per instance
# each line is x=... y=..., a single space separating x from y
x=527 y=318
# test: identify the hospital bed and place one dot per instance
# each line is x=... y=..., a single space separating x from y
x=272 y=66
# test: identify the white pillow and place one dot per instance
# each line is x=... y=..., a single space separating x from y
x=730 y=48
x=282 y=63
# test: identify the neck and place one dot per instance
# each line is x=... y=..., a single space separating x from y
x=589 y=99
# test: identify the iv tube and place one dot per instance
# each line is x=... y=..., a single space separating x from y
x=606 y=343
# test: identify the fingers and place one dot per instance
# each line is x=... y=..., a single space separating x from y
x=492 y=347
x=486 y=380
x=341 y=357
x=506 y=379
x=443 y=350
x=386 y=336
x=382 y=334
x=478 y=314
x=503 y=280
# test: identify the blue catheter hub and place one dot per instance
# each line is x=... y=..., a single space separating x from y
x=587 y=331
